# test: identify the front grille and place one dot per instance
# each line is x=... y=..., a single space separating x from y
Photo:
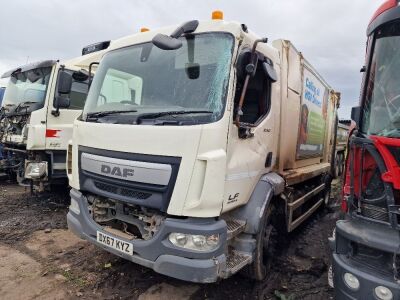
x=374 y=212
x=121 y=191
x=106 y=187
x=134 y=194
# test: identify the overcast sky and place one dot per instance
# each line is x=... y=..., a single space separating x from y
x=330 y=33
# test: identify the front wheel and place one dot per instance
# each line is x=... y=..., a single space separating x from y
x=266 y=240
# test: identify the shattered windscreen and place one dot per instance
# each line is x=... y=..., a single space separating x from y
x=144 y=79
x=27 y=87
x=381 y=115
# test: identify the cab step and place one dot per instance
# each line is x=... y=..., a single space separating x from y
x=234 y=227
x=236 y=261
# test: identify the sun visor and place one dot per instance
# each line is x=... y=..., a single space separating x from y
x=36 y=65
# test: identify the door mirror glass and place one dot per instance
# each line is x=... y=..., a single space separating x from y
x=356 y=115
x=270 y=72
x=166 y=42
x=64 y=82
x=80 y=76
x=241 y=64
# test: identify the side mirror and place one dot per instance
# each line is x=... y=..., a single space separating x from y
x=270 y=72
x=64 y=86
x=166 y=42
x=171 y=42
x=80 y=76
x=187 y=27
x=64 y=82
x=356 y=115
x=243 y=60
x=60 y=102
x=363 y=69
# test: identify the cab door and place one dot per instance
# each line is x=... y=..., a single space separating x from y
x=59 y=125
x=253 y=152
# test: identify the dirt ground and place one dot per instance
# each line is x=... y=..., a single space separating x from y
x=41 y=259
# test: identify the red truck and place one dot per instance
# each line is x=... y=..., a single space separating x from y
x=366 y=242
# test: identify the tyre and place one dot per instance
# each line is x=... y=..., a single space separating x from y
x=327 y=196
x=341 y=164
x=266 y=240
x=337 y=168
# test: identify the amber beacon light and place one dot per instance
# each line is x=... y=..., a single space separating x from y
x=217 y=15
x=144 y=29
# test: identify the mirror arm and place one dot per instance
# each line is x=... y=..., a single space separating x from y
x=241 y=101
x=56 y=112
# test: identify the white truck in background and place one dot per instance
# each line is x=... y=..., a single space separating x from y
x=197 y=146
x=42 y=100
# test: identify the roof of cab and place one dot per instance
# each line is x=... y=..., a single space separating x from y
x=204 y=26
x=31 y=66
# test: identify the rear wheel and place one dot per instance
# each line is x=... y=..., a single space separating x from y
x=326 y=192
x=337 y=166
x=266 y=240
x=327 y=196
x=341 y=165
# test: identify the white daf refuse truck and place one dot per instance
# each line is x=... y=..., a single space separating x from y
x=40 y=104
x=198 y=145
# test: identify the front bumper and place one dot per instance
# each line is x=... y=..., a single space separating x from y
x=158 y=253
x=369 y=280
x=365 y=233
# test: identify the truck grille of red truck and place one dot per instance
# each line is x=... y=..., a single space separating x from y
x=374 y=212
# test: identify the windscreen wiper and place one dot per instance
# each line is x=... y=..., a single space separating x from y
x=23 y=104
x=95 y=115
x=170 y=113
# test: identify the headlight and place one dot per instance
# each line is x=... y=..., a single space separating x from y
x=383 y=293
x=35 y=170
x=194 y=242
x=74 y=206
x=351 y=281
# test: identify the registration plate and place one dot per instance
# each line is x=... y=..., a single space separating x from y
x=114 y=243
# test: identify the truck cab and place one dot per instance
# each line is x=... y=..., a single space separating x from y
x=187 y=158
x=366 y=243
x=37 y=116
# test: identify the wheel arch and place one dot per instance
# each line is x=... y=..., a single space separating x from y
x=265 y=192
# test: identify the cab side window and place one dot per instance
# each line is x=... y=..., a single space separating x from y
x=78 y=93
x=257 y=101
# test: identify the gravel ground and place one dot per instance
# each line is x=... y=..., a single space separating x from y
x=40 y=258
